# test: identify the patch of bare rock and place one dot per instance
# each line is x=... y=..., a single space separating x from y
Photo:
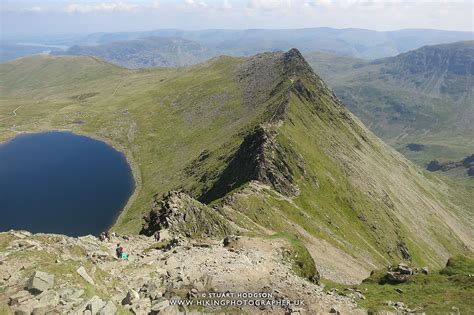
x=55 y=274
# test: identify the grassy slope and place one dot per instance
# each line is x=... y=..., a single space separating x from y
x=163 y=118
x=357 y=188
x=403 y=107
x=356 y=192
x=440 y=292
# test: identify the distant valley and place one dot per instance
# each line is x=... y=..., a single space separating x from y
x=423 y=97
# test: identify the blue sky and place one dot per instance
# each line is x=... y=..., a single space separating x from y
x=26 y=17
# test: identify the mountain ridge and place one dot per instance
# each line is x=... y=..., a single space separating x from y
x=357 y=199
x=411 y=98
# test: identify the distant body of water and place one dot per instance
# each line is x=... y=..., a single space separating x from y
x=59 y=182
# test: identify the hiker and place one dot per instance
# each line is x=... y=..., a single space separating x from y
x=107 y=235
x=157 y=236
x=119 y=251
x=102 y=237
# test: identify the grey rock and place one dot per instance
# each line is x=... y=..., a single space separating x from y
x=160 y=305
x=48 y=298
x=83 y=273
x=396 y=277
x=79 y=308
x=108 y=309
x=95 y=304
x=24 y=310
x=425 y=270
x=45 y=302
x=77 y=294
x=19 y=298
x=40 y=281
x=131 y=297
x=152 y=290
x=404 y=269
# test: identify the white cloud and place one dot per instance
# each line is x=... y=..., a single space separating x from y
x=192 y=4
x=97 y=7
x=35 y=8
x=269 y=4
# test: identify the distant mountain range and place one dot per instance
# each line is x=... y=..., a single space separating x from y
x=349 y=42
x=421 y=97
x=146 y=52
x=358 y=43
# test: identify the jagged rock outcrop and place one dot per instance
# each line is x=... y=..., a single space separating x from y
x=183 y=215
x=260 y=157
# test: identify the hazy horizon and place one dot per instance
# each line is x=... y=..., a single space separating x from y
x=55 y=17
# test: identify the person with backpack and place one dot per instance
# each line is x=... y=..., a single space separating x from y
x=120 y=252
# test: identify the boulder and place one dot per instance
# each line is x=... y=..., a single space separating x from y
x=108 y=309
x=95 y=304
x=48 y=298
x=24 y=310
x=40 y=281
x=425 y=270
x=404 y=269
x=152 y=290
x=231 y=241
x=83 y=273
x=131 y=297
x=395 y=277
x=159 y=305
x=19 y=298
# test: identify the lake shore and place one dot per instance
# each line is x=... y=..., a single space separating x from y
x=136 y=174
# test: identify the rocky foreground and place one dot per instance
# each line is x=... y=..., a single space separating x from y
x=56 y=274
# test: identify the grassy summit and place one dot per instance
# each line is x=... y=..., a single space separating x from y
x=263 y=141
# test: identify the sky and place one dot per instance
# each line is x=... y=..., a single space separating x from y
x=27 y=17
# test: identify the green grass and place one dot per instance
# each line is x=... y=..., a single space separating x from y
x=354 y=192
x=435 y=293
x=301 y=261
x=161 y=119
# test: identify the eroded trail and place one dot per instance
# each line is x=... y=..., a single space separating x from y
x=152 y=277
x=13 y=113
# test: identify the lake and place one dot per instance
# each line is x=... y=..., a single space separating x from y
x=59 y=182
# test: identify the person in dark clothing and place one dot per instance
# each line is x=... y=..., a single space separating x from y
x=119 y=251
x=157 y=236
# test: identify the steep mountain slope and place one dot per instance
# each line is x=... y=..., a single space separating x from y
x=262 y=141
x=419 y=97
x=146 y=52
